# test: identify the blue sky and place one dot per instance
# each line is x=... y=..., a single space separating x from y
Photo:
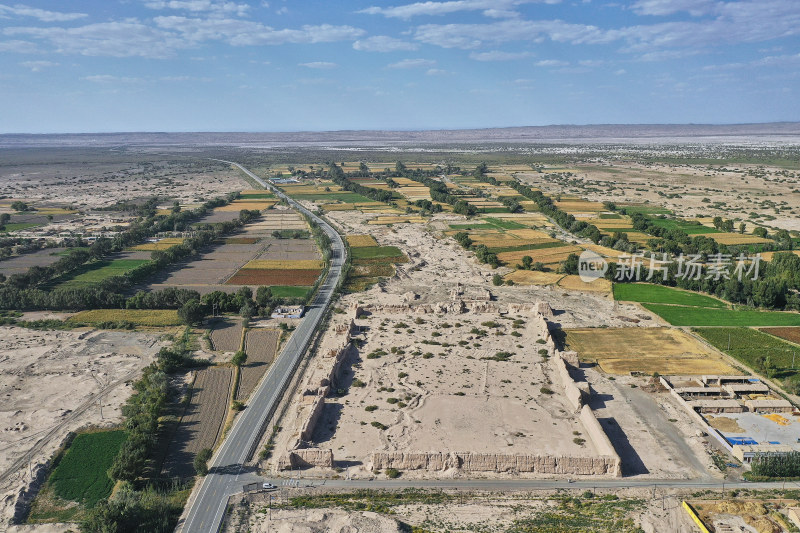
x=238 y=65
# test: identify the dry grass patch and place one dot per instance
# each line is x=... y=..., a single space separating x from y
x=736 y=238
x=666 y=351
x=139 y=317
x=361 y=241
x=163 y=244
x=603 y=250
x=542 y=255
x=575 y=283
x=580 y=206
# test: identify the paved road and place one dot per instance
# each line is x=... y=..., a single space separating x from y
x=207 y=505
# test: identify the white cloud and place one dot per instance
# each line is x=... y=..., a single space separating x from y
x=108 y=78
x=436 y=72
x=210 y=6
x=115 y=39
x=412 y=63
x=41 y=14
x=501 y=13
x=489 y=7
x=667 y=7
x=551 y=63
x=319 y=64
x=38 y=66
x=20 y=47
x=497 y=55
x=383 y=43
x=247 y=33
x=474 y=35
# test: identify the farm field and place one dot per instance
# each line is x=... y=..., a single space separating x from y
x=699 y=316
x=370 y=263
x=201 y=424
x=648 y=350
x=360 y=241
x=97 y=271
x=261 y=345
x=256 y=276
x=80 y=476
x=161 y=244
x=19 y=264
x=229 y=265
x=789 y=334
x=752 y=347
x=647 y=293
x=138 y=317
x=226 y=335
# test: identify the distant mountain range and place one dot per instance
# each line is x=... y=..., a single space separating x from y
x=776 y=132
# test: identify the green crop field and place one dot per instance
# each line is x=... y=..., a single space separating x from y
x=344 y=197
x=256 y=196
x=688 y=227
x=505 y=224
x=645 y=209
x=98 y=271
x=542 y=245
x=658 y=294
x=138 y=317
x=81 y=474
x=477 y=225
x=376 y=252
x=19 y=226
x=280 y=291
x=701 y=316
x=751 y=347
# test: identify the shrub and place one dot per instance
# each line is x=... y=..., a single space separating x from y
x=392 y=473
x=371 y=408
x=201 y=461
x=546 y=390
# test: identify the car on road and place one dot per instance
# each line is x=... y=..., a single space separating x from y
x=268 y=486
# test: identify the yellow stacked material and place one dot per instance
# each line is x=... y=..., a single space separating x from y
x=284 y=264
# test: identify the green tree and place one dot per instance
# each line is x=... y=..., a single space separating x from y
x=191 y=312
x=570 y=266
x=201 y=461
x=527 y=262
x=239 y=358
x=19 y=206
x=497 y=280
x=742 y=227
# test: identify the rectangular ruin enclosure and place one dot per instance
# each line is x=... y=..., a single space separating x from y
x=431 y=391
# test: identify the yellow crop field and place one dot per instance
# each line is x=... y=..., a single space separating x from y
x=140 y=317
x=736 y=238
x=543 y=255
x=361 y=241
x=603 y=223
x=163 y=244
x=533 y=277
x=530 y=234
x=405 y=181
x=238 y=205
x=56 y=211
x=603 y=250
x=580 y=206
x=575 y=283
x=767 y=256
x=284 y=264
x=663 y=350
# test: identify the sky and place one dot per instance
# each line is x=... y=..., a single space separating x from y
x=307 y=65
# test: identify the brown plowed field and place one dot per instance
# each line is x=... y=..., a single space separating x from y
x=201 y=424
x=789 y=334
x=226 y=336
x=293 y=277
x=261 y=344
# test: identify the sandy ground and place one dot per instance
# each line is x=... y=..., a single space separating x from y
x=742 y=189
x=48 y=382
x=449 y=399
x=471 y=512
x=101 y=182
x=439 y=265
